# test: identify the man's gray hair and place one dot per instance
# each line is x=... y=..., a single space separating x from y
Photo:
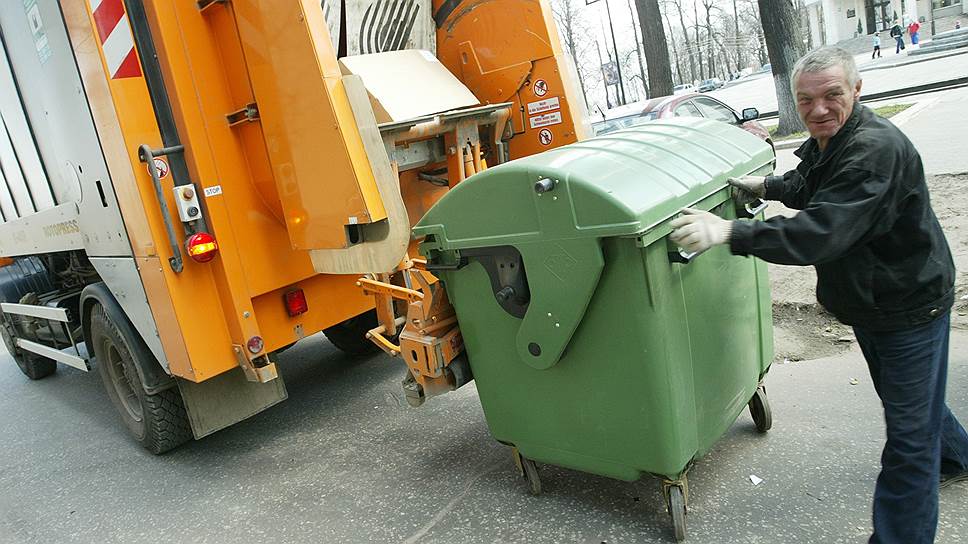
x=821 y=59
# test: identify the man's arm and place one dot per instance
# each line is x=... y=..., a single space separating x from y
x=852 y=208
x=788 y=189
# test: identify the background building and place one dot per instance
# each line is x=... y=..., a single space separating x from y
x=832 y=21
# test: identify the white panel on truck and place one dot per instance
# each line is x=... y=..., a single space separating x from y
x=45 y=73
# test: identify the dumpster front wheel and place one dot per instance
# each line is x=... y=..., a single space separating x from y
x=760 y=410
x=677 y=511
x=528 y=470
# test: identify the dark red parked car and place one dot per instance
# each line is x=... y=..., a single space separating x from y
x=685 y=105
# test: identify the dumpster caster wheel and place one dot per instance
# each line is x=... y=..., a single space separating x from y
x=528 y=470
x=677 y=511
x=760 y=410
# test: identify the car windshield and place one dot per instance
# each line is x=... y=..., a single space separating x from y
x=612 y=125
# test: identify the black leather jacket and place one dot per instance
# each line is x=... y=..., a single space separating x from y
x=865 y=223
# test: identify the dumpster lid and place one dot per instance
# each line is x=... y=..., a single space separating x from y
x=620 y=184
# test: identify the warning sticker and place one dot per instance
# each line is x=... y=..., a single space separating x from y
x=545 y=136
x=545 y=120
x=541 y=106
x=213 y=190
x=161 y=167
x=540 y=87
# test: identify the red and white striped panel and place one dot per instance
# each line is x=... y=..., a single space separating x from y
x=114 y=31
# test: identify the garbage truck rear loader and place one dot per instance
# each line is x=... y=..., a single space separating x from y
x=190 y=187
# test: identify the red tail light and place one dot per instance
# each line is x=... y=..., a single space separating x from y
x=202 y=247
x=296 y=302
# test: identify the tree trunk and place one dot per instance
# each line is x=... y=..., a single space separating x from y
x=675 y=48
x=739 y=48
x=784 y=46
x=695 y=13
x=656 y=49
x=685 y=37
x=638 y=54
x=708 y=5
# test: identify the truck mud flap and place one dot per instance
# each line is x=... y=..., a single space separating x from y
x=226 y=399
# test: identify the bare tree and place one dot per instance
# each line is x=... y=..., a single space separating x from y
x=672 y=41
x=784 y=44
x=685 y=37
x=739 y=48
x=708 y=7
x=574 y=32
x=638 y=51
x=695 y=18
x=656 y=49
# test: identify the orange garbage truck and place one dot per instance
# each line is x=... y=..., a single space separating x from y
x=190 y=187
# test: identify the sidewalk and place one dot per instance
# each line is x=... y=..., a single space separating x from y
x=889 y=59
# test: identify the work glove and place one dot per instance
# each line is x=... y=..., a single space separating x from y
x=750 y=188
x=696 y=231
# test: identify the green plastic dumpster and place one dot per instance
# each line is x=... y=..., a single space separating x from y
x=595 y=343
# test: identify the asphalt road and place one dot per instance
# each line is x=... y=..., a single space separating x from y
x=346 y=460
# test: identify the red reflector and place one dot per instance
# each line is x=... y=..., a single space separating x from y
x=255 y=344
x=296 y=302
x=202 y=247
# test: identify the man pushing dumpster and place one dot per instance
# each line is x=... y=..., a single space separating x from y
x=883 y=267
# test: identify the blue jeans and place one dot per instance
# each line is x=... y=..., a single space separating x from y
x=909 y=369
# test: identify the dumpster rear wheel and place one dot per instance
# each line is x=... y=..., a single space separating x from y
x=760 y=410
x=677 y=511
x=528 y=469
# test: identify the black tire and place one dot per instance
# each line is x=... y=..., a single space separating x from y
x=156 y=421
x=760 y=410
x=32 y=365
x=677 y=511
x=350 y=335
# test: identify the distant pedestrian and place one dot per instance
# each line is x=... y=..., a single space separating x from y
x=877 y=46
x=898 y=34
x=913 y=29
x=957 y=25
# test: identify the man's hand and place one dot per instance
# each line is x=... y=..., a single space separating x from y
x=750 y=187
x=696 y=230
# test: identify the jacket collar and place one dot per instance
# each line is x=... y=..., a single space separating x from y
x=809 y=147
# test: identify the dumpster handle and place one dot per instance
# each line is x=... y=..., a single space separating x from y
x=682 y=256
x=759 y=207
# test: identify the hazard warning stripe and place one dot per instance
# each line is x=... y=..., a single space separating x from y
x=114 y=31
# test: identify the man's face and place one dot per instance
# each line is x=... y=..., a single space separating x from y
x=825 y=101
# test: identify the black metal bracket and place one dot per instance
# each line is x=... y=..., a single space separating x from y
x=247 y=114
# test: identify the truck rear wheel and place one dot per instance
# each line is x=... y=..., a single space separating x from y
x=33 y=366
x=157 y=421
x=350 y=335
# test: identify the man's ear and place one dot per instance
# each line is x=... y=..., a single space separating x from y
x=857 y=89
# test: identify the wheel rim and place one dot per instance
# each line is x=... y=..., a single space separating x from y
x=124 y=383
